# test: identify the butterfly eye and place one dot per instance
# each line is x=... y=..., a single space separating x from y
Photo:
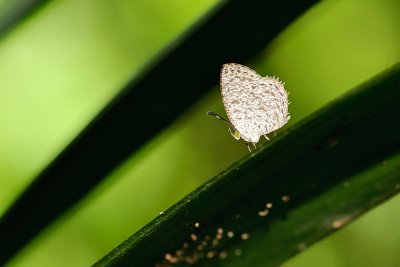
x=237 y=135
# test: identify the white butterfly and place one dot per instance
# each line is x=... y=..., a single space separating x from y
x=255 y=105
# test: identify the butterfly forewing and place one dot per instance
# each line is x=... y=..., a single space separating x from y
x=255 y=105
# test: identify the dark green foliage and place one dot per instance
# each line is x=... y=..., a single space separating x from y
x=318 y=175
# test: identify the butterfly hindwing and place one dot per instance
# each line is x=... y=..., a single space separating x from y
x=255 y=105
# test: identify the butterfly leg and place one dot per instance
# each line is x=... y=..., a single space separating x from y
x=266 y=137
x=248 y=146
x=254 y=144
x=230 y=131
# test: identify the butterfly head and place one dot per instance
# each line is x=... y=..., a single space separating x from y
x=236 y=135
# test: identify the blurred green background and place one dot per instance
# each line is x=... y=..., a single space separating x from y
x=61 y=66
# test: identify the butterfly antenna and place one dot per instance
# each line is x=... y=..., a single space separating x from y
x=210 y=113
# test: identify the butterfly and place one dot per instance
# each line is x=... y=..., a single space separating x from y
x=255 y=105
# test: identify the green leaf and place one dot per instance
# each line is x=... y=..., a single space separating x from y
x=319 y=175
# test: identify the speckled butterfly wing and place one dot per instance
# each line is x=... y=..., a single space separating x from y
x=255 y=105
